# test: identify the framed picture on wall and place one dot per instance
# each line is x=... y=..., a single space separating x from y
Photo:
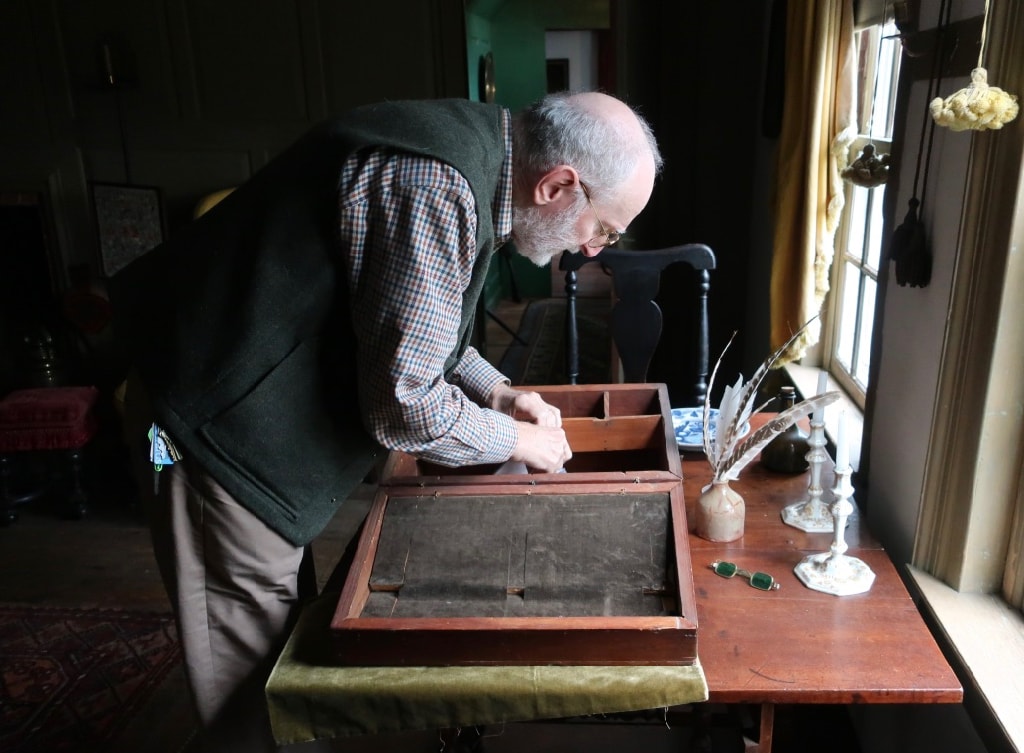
x=558 y=74
x=129 y=220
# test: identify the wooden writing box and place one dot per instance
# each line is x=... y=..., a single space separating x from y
x=591 y=566
x=563 y=574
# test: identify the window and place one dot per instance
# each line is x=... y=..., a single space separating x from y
x=858 y=241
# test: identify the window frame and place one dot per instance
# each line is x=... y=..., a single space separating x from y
x=968 y=555
x=875 y=126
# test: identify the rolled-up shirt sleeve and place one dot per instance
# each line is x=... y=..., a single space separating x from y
x=409 y=239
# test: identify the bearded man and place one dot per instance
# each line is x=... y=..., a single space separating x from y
x=322 y=314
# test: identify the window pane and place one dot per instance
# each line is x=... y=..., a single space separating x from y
x=867 y=319
x=874 y=249
x=855 y=236
x=865 y=69
x=848 y=325
x=885 y=85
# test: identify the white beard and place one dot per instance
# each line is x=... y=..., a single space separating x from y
x=539 y=238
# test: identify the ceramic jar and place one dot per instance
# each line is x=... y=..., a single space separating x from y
x=720 y=513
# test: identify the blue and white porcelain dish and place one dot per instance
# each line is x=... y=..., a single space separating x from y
x=689 y=427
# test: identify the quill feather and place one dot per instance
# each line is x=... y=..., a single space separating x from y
x=735 y=409
x=707 y=401
x=750 y=391
x=747 y=450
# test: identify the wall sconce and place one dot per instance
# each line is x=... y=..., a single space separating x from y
x=115 y=62
x=107 y=62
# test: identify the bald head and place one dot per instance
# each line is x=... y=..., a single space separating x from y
x=584 y=165
x=600 y=136
x=615 y=113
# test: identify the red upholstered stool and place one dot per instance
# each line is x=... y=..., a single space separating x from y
x=57 y=419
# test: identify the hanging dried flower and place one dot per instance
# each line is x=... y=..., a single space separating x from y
x=977 y=107
x=867 y=170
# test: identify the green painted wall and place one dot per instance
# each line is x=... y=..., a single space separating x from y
x=518 y=38
x=513 y=31
x=478 y=44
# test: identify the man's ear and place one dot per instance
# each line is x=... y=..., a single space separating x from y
x=557 y=186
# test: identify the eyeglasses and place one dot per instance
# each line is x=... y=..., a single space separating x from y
x=607 y=237
x=760 y=581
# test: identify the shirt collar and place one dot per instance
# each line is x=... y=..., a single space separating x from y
x=502 y=207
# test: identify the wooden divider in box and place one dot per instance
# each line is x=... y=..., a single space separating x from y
x=615 y=431
x=568 y=574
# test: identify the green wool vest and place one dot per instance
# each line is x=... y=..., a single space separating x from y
x=239 y=326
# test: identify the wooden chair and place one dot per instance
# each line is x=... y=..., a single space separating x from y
x=636 y=319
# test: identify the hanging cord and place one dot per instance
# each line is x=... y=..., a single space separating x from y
x=934 y=84
x=984 y=36
x=909 y=247
x=121 y=132
x=975 y=91
x=113 y=80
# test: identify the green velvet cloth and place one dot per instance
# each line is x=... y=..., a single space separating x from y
x=310 y=700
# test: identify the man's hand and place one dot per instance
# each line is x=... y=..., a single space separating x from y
x=542 y=445
x=541 y=448
x=510 y=401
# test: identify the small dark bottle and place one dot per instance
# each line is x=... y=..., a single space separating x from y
x=787 y=453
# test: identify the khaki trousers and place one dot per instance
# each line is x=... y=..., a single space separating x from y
x=234 y=584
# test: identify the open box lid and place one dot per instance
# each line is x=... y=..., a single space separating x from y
x=588 y=574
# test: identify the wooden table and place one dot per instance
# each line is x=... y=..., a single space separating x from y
x=791 y=646
x=797 y=645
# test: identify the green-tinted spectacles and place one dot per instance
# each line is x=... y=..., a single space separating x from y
x=760 y=581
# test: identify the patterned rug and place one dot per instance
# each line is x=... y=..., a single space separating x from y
x=73 y=679
x=542 y=359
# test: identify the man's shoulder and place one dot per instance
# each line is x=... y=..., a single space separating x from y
x=426 y=116
x=427 y=106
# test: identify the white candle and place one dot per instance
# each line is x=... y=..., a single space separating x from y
x=819 y=414
x=842 y=448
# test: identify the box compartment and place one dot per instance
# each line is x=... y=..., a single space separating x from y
x=614 y=430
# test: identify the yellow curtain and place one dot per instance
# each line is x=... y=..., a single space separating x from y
x=818 y=126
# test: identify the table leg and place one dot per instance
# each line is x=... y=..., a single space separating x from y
x=764 y=745
x=7 y=513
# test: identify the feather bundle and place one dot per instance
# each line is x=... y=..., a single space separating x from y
x=728 y=450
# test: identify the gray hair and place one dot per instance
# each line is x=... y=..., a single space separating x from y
x=557 y=131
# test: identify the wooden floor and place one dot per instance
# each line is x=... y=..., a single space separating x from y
x=105 y=560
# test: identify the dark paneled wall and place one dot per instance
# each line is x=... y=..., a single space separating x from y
x=698 y=71
x=204 y=93
x=189 y=96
